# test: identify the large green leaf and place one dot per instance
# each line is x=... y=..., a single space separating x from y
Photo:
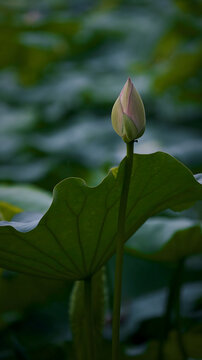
x=77 y=235
x=166 y=239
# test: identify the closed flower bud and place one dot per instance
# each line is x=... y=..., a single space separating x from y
x=128 y=114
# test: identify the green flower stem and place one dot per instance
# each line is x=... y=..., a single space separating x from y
x=120 y=251
x=89 y=326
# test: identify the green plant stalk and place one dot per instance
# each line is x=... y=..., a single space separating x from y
x=167 y=315
x=120 y=252
x=110 y=289
x=89 y=326
x=173 y=298
x=178 y=316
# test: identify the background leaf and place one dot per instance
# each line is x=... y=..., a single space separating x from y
x=7 y=211
x=166 y=239
x=25 y=197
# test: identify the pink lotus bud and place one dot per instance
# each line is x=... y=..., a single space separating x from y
x=128 y=114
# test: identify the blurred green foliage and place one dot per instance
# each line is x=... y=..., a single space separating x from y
x=62 y=66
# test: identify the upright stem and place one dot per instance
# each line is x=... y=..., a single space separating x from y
x=89 y=328
x=173 y=298
x=120 y=251
x=167 y=315
x=178 y=315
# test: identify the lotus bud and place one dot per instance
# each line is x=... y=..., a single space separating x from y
x=128 y=114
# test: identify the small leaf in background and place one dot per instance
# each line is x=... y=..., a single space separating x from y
x=166 y=239
x=25 y=197
x=7 y=211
